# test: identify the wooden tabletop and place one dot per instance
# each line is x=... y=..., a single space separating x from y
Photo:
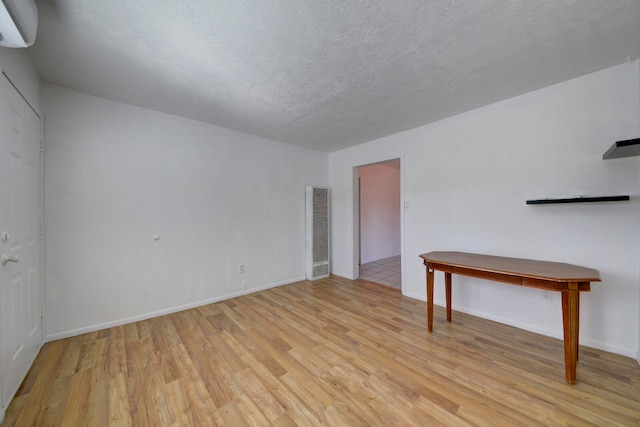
x=545 y=270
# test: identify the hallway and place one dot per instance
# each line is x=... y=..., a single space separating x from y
x=385 y=271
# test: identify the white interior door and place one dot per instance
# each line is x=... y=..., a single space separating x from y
x=20 y=239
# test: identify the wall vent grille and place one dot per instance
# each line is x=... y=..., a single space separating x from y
x=317 y=231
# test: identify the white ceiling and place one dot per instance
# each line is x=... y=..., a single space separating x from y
x=326 y=74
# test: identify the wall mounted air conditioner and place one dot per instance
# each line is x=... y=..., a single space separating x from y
x=18 y=23
x=317 y=231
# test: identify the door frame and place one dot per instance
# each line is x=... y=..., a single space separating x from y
x=355 y=224
x=40 y=243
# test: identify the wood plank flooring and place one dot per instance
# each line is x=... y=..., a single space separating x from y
x=332 y=352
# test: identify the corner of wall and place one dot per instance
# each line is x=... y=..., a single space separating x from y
x=638 y=89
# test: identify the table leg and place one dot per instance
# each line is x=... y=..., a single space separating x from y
x=570 y=317
x=578 y=329
x=447 y=285
x=430 y=298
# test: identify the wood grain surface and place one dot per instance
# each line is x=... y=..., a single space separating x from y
x=534 y=269
x=332 y=352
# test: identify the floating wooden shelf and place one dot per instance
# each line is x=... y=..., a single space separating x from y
x=578 y=200
x=627 y=148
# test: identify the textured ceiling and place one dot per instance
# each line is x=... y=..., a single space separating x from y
x=326 y=74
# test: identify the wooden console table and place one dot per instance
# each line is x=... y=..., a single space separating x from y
x=554 y=276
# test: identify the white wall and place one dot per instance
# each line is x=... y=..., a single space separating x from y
x=379 y=212
x=117 y=175
x=465 y=182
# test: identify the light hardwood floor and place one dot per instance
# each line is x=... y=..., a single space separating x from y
x=332 y=352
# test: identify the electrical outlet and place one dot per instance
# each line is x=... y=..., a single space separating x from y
x=547 y=295
x=244 y=285
x=241 y=268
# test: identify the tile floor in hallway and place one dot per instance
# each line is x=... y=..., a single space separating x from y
x=385 y=271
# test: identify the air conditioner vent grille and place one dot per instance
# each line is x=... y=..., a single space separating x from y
x=317 y=233
x=320 y=270
x=320 y=225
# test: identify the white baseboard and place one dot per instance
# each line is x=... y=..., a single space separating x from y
x=638 y=355
x=415 y=296
x=535 y=329
x=169 y=310
x=343 y=275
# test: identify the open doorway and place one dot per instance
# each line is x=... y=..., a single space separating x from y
x=380 y=223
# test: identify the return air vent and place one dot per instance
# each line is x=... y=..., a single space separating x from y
x=317 y=228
